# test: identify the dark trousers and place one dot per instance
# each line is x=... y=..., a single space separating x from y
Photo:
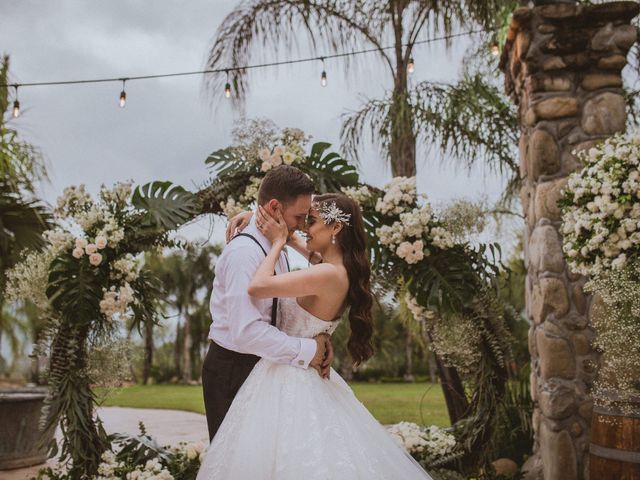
x=223 y=373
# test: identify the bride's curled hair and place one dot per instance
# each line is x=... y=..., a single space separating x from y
x=352 y=241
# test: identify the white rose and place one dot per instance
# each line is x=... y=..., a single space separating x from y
x=288 y=158
x=91 y=248
x=264 y=154
x=101 y=242
x=191 y=453
x=276 y=160
x=77 y=252
x=266 y=166
x=95 y=259
x=81 y=242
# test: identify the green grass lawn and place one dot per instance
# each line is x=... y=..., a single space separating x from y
x=421 y=403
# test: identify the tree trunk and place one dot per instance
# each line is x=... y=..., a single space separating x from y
x=402 y=148
x=433 y=367
x=148 y=351
x=408 y=356
x=186 y=348
x=176 y=351
x=453 y=390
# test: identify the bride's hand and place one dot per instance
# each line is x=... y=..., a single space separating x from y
x=237 y=223
x=275 y=229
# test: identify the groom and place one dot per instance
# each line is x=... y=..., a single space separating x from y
x=244 y=328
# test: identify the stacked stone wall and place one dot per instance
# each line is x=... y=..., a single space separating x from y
x=562 y=65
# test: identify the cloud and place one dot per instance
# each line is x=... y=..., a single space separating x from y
x=167 y=128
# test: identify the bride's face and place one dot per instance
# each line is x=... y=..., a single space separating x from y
x=318 y=234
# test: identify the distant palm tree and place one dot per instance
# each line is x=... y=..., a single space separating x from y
x=186 y=277
x=332 y=26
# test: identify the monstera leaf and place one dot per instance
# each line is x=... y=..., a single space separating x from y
x=167 y=206
x=75 y=288
x=330 y=172
x=227 y=161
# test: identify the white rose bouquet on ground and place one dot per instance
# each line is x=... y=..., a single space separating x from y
x=431 y=446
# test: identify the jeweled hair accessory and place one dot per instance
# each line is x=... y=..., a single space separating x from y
x=330 y=212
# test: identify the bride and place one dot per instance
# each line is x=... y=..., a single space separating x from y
x=288 y=423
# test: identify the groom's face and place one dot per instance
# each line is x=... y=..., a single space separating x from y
x=295 y=212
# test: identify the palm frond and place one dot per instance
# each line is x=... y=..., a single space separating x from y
x=22 y=222
x=471 y=121
x=328 y=26
x=372 y=122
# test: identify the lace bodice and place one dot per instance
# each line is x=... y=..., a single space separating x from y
x=297 y=322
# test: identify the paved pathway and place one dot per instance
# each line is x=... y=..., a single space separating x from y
x=166 y=426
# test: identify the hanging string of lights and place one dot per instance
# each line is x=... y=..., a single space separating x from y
x=495 y=50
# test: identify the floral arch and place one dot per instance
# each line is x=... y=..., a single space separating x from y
x=88 y=276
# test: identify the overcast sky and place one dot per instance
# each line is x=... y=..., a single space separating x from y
x=168 y=128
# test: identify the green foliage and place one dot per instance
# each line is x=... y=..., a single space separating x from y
x=75 y=289
x=329 y=171
x=228 y=161
x=167 y=206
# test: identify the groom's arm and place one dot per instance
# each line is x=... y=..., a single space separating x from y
x=247 y=330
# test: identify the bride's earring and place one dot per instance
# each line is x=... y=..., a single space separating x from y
x=333 y=239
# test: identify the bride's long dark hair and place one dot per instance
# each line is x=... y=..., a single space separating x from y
x=352 y=241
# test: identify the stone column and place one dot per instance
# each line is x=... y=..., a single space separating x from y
x=562 y=64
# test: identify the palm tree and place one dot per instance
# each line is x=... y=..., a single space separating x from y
x=23 y=218
x=335 y=27
x=187 y=278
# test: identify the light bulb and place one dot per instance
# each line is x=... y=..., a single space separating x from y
x=16 y=109
x=495 y=49
x=123 y=98
x=227 y=90
x=410 y=66
x=323 y=79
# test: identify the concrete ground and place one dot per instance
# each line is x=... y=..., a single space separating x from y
x=166 y=426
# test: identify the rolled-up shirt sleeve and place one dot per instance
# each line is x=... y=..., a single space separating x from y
x=247 y=329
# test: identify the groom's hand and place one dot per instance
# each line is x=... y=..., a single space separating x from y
x=317 y=361
x=328 y=360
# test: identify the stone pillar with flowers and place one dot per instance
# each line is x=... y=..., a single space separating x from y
x=562 y=64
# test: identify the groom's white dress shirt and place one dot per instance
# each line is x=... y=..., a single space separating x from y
x=242 y=323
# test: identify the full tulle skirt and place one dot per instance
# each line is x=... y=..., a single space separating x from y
x=288 y=423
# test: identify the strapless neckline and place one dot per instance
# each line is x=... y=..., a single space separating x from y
x=337 y=319
x=296 y=321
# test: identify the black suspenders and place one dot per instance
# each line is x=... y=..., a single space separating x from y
x=274 y=308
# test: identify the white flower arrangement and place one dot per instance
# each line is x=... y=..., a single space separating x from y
x=184 y=458
x=601 y=207
x=115 y=302
x=101 y=233
x=400 y=193
x=428 y=445
x=414 y=228
x=359 y=195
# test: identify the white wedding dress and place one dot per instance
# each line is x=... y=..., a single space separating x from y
x=287 y=423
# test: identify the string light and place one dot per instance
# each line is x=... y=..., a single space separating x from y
x=495 y=49
x=323 y=76
x=16 y=104
x=227 y=90
x=227 y=87
x=123 y=95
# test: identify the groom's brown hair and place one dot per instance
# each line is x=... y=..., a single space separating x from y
x=284 y=183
